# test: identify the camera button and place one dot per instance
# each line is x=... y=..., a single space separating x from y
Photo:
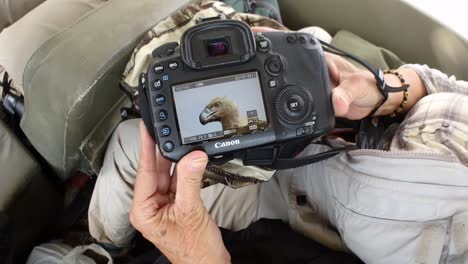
x=168 y=146
x=303 y=39
x=173 y=65
x=165 y=131
x=273 y=83
x=295 y=104
x=264 y=45
x=160 y=99
x=157 y=85
x=162 y=115
x=291 y=38
x=158 y=69
x=274 y=66
x=300 y=131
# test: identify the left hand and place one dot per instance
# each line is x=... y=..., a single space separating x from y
x=179 y=226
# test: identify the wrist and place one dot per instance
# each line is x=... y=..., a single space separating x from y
x=213 y=256
x=416 y=91
x=394 y=99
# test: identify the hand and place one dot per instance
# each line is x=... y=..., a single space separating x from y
x=356 y=93
x=179 y=226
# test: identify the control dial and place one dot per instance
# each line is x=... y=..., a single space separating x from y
x=293 y=104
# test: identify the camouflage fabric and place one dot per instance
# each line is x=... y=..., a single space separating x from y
x=232 y=173
x=172 y=28
x=266 y=8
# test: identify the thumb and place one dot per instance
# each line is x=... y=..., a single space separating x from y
x=341 y=99
x=189 y=172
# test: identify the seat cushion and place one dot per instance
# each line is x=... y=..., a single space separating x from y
x=23 y=38
x=72 y=82
x=12 y=10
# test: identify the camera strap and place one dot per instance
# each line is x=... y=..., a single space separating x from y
x=287 y=155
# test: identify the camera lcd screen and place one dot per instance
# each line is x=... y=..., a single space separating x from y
x=220 y=108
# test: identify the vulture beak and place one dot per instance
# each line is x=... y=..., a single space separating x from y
x=205 y=116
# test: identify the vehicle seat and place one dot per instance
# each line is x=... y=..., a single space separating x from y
x=12 y=10
x=71 y=79
x=27 y=197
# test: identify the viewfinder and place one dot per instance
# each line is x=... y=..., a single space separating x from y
x=218 y=47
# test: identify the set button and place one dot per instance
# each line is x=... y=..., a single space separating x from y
x=295 y=103
x=165 y=131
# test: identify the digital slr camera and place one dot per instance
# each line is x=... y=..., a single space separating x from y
x=226 y=89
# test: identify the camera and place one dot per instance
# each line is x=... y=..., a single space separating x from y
x=225 y=89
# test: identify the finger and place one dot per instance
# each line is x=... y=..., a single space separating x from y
x=163 y=172
x=146 y=181
x=173 y=187
x=341 y=99
x=332 y=68
x=263 y=29
x=189 y=176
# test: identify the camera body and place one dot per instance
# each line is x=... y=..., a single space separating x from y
x=226 y=89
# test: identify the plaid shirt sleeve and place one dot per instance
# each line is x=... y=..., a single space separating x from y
x=439 y=82
x=438 y=123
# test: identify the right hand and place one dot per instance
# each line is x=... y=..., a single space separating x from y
x=168 y=210
x=356 y=93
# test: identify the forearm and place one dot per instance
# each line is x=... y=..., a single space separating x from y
x=437 y=81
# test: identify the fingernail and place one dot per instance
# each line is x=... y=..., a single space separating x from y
x=198 y=164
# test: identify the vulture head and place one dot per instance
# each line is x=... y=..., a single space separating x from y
x=221 y=109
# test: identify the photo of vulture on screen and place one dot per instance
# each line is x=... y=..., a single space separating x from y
x=225 y=111
x=220 y=108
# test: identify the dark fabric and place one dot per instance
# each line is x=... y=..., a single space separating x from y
x=269 y=241
x=272 y=241
x=5 y=240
